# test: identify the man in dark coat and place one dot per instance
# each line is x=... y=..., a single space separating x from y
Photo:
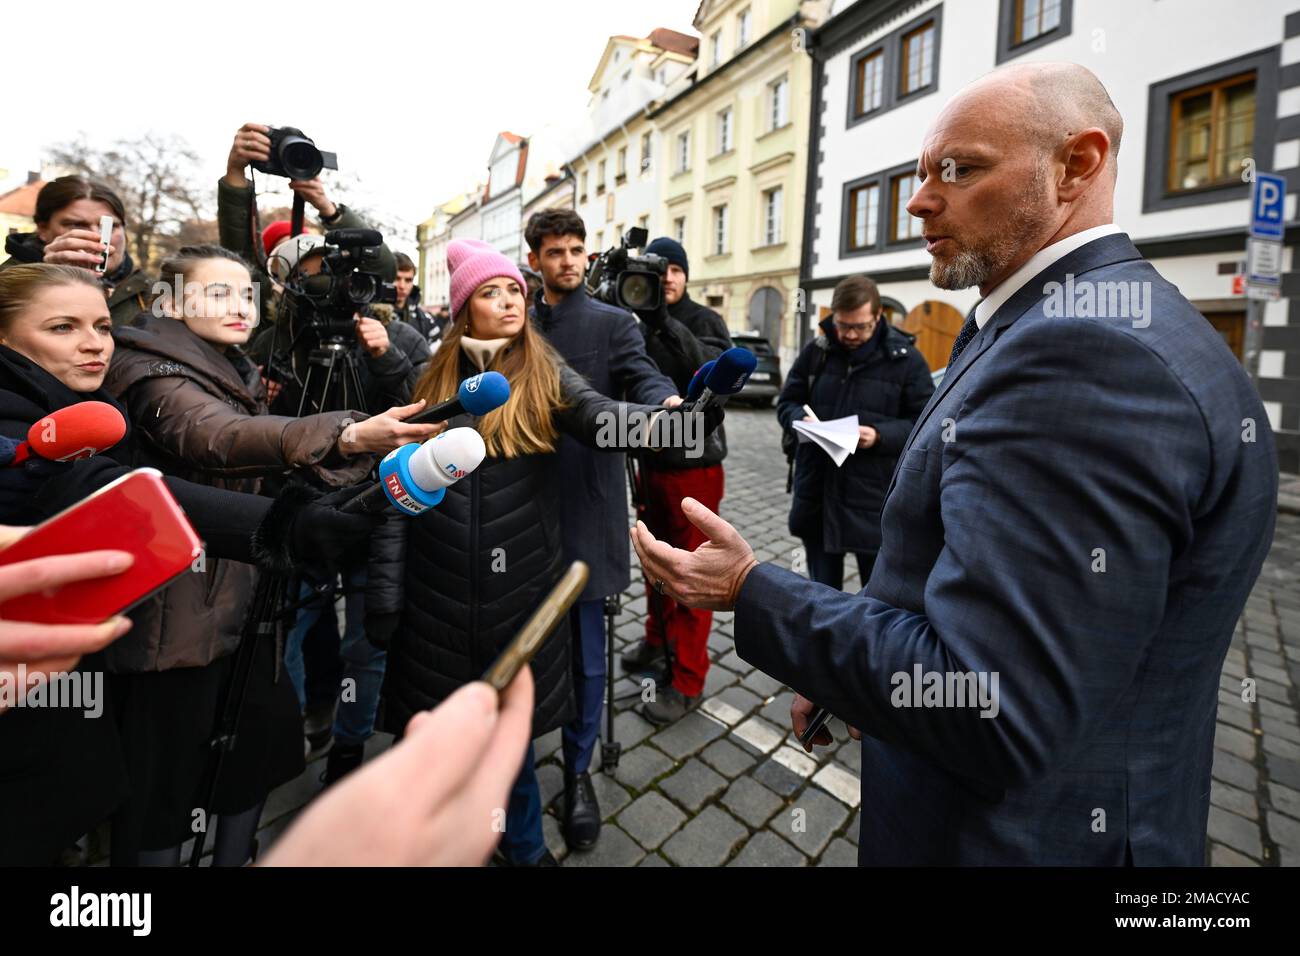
x=862 y=366
x=602 y=343
x=680 y=337
x=1073 y=530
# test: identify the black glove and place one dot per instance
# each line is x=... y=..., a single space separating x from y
x=380 y=628
x=305 y=530
x=655 y=319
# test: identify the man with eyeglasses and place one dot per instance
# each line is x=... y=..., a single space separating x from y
x=863 y=366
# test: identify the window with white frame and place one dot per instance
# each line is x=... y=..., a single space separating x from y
x=743 y=23
x=773 y=202
x=622 y=163
x=679 y=229
x=643 y=221
x=582 y=193
x=715 y=48
x=683 y=151
x=720 y=229
x=724 y=131
x=600 y=178
x=645 y=153
x=778 y=101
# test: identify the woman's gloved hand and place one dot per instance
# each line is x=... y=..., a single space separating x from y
x=306 y=530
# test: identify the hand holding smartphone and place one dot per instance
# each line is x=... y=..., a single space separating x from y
x=538 y=628
x=106 y=237
x=137 y=514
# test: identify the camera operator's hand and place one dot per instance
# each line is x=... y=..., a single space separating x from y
x=672 y=401
x=395 y=812
x=372 y=335
x=313 y=192
x=382 y=433
x=53 y=648
x=76 y=247
x=252 y=144
x=654 y=318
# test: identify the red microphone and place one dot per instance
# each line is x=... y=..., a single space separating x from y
x=77 y=431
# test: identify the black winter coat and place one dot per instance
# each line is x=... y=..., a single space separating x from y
x=466 y=574
x=886 y=383
x=602 y=344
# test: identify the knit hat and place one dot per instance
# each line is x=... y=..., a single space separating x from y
x=472 y=262
x=671 y=250
x=273 y=234
x=289 y=252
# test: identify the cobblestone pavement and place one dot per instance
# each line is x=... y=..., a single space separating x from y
x=728 y=785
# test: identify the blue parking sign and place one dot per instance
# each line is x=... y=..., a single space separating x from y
x=1267 y=206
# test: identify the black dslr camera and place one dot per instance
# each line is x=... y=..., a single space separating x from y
x=295 y=156
x=630 y=282
x=349 y=280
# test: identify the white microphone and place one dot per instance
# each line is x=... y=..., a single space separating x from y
x=415 y=476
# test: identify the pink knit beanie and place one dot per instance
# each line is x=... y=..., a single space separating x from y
x=472 y=262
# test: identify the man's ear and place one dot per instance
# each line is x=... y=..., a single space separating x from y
x=534 y=263
x=1085 y=156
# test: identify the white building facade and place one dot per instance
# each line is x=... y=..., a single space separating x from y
x=1201 y=107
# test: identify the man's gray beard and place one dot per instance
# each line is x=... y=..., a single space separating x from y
x=974 y=267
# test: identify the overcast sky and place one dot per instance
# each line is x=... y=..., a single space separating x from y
x=410 y=95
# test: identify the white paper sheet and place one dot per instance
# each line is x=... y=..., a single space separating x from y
x=838 y=438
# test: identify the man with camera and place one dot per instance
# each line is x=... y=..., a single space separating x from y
x=680 y=335
x=602 y=343
x=324 y=354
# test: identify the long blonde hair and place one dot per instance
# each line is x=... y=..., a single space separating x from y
x=524 y=424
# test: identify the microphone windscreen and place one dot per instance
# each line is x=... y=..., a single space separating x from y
x=731 y=371
x=481 y=393
x=697 y=383
x=447 y=458
x=76 y=431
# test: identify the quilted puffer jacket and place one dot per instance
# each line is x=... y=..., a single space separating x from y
x=466 y=574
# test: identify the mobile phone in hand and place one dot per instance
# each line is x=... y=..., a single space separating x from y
x=538 y=628
x=106 y=237
x=135 y=513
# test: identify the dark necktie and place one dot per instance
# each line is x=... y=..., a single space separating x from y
x=968 y=330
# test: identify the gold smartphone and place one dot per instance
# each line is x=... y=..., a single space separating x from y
x=538 y=628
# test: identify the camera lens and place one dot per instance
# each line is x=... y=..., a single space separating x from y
x=638 y=291
x=300 y=158
x=361 y=288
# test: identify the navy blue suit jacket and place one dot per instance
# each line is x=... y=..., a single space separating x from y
x=1081 y=509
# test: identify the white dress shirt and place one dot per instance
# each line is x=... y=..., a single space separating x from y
x=1039 y=261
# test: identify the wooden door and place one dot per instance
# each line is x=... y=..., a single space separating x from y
x=1232 y=326
x=935 y=325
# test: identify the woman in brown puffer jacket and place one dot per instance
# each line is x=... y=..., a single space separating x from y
x=199 y=407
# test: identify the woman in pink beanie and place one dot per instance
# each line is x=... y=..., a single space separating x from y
x=469 y=572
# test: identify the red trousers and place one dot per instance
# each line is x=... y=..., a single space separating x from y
x=685 y=630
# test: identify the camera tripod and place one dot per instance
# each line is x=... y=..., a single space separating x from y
x=340 y=385
x=611 y=749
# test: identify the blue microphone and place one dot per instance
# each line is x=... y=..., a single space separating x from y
x=730 y=372
x=477 y=395
x=697 y=382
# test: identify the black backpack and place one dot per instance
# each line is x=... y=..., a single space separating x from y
x=789 y=440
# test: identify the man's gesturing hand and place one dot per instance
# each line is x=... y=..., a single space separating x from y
x=708 y=577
